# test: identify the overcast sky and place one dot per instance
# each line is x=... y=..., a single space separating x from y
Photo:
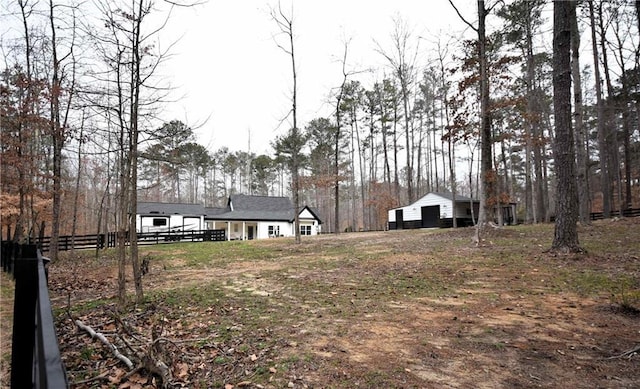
x=233 y=79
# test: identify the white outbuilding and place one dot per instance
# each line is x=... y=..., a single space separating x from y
x=434 y=210
x=437 y=210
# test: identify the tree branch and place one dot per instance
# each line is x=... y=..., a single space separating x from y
x=462 y=17
x=106 y=342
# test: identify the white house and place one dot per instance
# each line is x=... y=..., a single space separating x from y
x=436 y=210
x=259 y=217
x=244 y=217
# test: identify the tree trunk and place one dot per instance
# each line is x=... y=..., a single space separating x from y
x=121 y=225
x=582 y=152
x=531 y=121
x=352 y=180
x=76 y=195
x=539 y=162
x=638 y=13
x=136 y=84
x=408 y=138
x=396 y=178
x=605 y=180
x=626 y=125
x=336 y=163
x=566 y=232
x=436 y=180
x=611 y=129
x=450 y=142
x=625 y=107
x=57 y=139
x=487 y=173
x=362 y=159
x=26 y=110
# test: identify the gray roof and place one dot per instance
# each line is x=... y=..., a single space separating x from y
x=449 y=196
x=445 y=195
x=260 y=203
x=239 y=207
x=256 y=208
x=155 y=208
x=212 y=211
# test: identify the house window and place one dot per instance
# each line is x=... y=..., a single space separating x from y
x=305 y=230
x=158 y=222
x=235 y=228
x=274 y=230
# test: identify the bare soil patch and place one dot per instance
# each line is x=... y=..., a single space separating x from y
x=396 y=309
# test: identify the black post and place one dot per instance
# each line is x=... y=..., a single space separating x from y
x=7 y=255
x=25 y=272
x=48 y=371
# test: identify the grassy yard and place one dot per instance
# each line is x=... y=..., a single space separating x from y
x=396 y=309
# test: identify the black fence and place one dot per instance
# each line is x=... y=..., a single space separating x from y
x=177 y=236
x=631 y=212
x=69 y=242
x=35 y=355
x=103 y=241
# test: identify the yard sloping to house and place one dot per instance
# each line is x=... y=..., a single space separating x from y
x=401 y=309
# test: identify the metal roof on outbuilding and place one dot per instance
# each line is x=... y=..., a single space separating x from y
x=157 y=208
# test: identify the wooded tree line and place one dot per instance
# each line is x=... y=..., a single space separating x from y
x=83 y=136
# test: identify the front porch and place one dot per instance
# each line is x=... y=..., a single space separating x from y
x=235 y=230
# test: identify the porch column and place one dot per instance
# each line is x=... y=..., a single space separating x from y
x=229 y=230
x=243 y=230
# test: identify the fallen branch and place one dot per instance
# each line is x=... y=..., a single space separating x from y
x=628 y=353
x=154 y=359
x=104 y=340
x=101 y=377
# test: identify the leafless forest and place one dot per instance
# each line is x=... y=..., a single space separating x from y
x=84 y=138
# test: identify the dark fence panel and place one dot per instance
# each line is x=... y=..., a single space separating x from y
x=68 y=242
x=181 y=236
x=631 y=212
x=108 y=240
x=35 y=355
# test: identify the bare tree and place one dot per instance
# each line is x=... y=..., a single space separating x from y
x=133 y=96
x=611 y=135
x=445 y=121
x=582 y=152
x=27 y=100
x=59 y=117
x=402 y=62
x=605 y=177
x=285 y=25
x=487 y=172
x=338 y=136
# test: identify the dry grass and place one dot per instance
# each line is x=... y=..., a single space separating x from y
x=411 y=309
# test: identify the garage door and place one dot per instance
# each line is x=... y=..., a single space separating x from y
x=431 y=216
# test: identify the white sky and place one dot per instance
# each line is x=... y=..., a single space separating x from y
x=232 y=77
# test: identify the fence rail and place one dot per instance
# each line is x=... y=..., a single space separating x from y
x=631 y=212
x=102 y=241
x=35 y=355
